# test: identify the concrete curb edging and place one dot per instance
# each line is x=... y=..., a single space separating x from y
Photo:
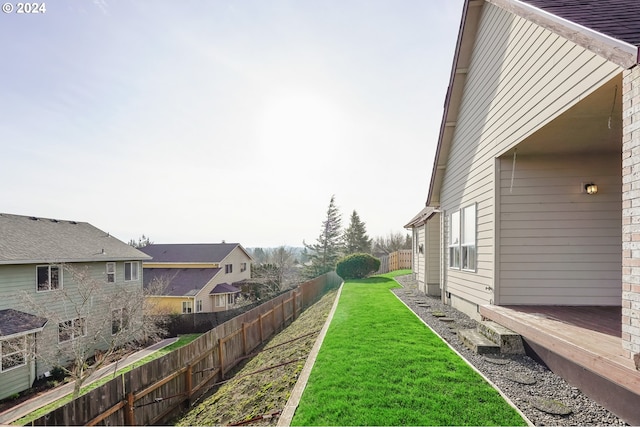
x=504 y=396
x=294 y=399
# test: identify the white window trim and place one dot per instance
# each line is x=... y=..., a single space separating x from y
x=72 y=330
x=220 y=298
x=131 y=264
x=187 y=307
x=60 y=280
x=463 y=244
x=199 y=306
x=22 y=350
x=112 y=272
x=228 y=268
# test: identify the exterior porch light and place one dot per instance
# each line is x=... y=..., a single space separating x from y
x=591 y=188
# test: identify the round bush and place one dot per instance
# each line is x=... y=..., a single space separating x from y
x=357 y=266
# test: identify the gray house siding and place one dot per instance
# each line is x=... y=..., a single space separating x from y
x=558 y=245
x=520 y=77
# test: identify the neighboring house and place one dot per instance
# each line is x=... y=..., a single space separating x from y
x=200 y=278
x=536 y=170
x=425 y=228
x=35 y=254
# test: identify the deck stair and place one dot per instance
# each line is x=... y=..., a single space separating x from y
x=491 y=338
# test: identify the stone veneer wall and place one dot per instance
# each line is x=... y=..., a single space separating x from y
x=631 y=214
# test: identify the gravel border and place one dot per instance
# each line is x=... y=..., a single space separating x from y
x=549 y=390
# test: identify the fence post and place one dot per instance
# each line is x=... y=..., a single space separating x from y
x=244 y=338
x=130 y=418
x=261 y=332
x=221 y=356
x=189 y=382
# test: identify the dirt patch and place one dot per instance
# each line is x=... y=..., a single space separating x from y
x=249 y=395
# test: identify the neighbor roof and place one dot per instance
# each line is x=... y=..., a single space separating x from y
x=225 y=288
x=14 y=322
x=191 y=252
x=29 y=240
x=179 y=282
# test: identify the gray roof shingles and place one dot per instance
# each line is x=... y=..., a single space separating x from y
x=619 y=19
x=28 y=240
x=14 y=322
x=179 y=281
x=224 y=288
x=189 y=252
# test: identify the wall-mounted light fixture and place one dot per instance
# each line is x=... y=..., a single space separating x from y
x=591 y=188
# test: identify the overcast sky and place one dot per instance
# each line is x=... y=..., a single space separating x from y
x=236 y=120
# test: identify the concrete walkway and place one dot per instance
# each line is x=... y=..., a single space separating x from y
x=28 y=406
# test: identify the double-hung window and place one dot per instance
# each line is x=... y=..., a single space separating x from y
x=199 y=306
x=48 y=277
x=72 y=329
x=228 y=268
x=130 y=271
x=111 y=272
x=186 y=307
x=462 y=239
x=13 y=353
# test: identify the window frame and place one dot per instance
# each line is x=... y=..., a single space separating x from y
x=243 y=267
x=131 y=264
x=72 y=328
x=20 y=352
x=228 y=268
x=111 y=274
x=199 y=306
x=187 y=307
x=220 y=298
x=462 y=241
x=50 y=267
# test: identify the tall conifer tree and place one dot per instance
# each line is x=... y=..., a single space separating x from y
x=356 y=239
x=324 y=254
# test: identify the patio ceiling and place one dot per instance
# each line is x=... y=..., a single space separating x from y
x=584 y=128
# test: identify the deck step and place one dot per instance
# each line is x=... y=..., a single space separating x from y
x=477 y=342
x=509 y=341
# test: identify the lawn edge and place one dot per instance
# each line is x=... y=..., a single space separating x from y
x=504 y=396
x=285 y=418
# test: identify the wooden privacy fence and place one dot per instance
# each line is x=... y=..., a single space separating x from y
x=152 y=392
x=395 y=261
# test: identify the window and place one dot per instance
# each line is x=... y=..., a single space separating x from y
x=199 y=306
x=468 y=245
x=228 y=268
x=48 y=277
x=230 y=299
x=454 y=240
x=13 y=353
x=462 y=239
x=243 y=267
x=119 y=320
x=130 y=271
x=111 y=272
x=186 y=307
x=72 y=329
x=220 y=300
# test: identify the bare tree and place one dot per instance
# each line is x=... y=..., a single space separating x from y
x=391 y=242
x=141 y=243
x=94 y=319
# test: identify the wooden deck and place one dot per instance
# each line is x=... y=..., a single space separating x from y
x=583 y=345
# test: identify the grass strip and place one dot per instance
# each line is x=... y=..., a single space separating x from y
x=380 y=365
x=182 y=341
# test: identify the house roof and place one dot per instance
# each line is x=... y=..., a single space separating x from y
x=179 y=282
x=224 y=288
x=30 y=240
x=14 y=322
x=609 y=28
x=422 y=217
x=191 y=252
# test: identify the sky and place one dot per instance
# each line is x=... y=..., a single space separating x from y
x=200 y=121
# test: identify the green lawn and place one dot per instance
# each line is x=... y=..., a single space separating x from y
x=380 y=365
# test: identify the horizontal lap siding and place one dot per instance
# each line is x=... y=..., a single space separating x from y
x=561 y=246
x=521 y=76
x=432 y=248
x=421 y=268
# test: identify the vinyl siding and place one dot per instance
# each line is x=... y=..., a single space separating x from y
x=521 y=76
x=432 y=250
x=14 y=381
x=559 y=245
x=16 y=280
x=419 y=259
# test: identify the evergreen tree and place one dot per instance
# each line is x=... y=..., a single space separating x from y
x=325 y=253
x=355 y=237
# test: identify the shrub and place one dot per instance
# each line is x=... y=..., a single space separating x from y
x=357 y=266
